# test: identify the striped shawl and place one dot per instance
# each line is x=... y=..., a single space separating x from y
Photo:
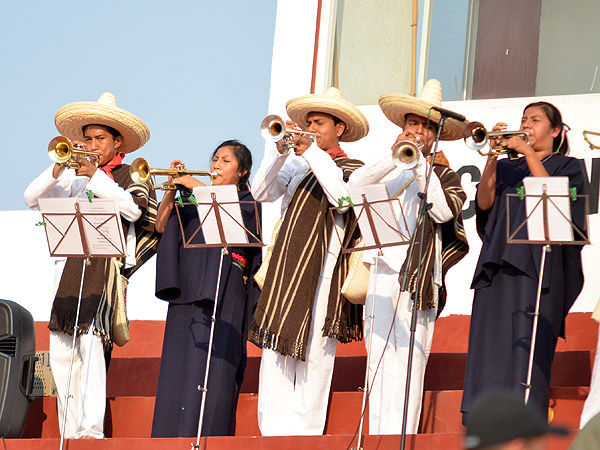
x=100 y=284
x=454 y=243
x=284 y=313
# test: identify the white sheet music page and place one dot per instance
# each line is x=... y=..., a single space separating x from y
x=100 y=222
x=558 y=208
x=229 y=212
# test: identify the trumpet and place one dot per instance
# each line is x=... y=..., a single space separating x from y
x=587 y=139
x=476 y=137
x=63 y=152
x=141 y=171
x=273 y=129
x=406 y=154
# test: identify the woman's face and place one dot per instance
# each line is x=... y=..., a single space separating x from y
x=541 y=132
x=225 y=165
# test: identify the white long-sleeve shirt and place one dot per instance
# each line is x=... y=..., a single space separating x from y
x=280 y=174
x=68 y=184
x=385 y=171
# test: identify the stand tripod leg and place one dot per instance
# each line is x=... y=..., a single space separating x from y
x=204 y=388
x=367 y=386
x=536 y=316
x=75 y=327
x=411 y=346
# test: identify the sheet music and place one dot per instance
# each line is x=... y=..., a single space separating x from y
x=100 y=222
x=559 y=208
x=229 y=211
x=384 y=218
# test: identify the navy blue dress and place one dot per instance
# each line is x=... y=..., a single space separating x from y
x=187 y=279
x=505 y=284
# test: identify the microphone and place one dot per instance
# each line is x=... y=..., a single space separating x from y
x=448 y=113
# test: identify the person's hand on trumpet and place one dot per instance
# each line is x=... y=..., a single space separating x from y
x=302 y=142
x=185 y=180
x=514 y=142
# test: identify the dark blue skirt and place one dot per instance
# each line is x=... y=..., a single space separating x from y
x=500 y=338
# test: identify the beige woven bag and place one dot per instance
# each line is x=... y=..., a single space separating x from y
x=120 y=325
x=261 y=273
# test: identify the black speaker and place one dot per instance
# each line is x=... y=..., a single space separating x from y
x=17 y=366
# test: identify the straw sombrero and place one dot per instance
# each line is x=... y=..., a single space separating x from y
x=71 y=118
x=331 y=102
x=397 y=106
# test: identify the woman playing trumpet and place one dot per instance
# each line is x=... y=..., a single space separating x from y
x=506 y=276
x=187 y=279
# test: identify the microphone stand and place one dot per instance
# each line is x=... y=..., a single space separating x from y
x=424 y=207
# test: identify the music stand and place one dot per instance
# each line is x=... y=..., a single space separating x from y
x=222 y=226
x=81 y=228
x=377 y=216
x=548 y=221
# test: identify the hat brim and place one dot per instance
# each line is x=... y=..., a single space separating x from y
x=71 y=118
x=356 y=123
x=397 y=106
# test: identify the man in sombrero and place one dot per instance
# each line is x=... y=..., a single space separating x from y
x=444 y=244
x=301 y=314
x=111 y=132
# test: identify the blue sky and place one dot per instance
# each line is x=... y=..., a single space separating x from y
x=197 y=72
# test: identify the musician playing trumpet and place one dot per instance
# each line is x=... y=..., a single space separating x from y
x=110 y=132
x=506 y=277
x=187 y=279
x=388 y=312
x=299 y=347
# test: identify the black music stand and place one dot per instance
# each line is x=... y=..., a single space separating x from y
x=81 y=228
x=222 y=226
x=548 y=221
x=378 y=222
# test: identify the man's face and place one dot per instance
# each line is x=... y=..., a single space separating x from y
x=416 y=126
x=98 y=139
x=327 y=132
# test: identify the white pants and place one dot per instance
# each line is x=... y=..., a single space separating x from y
x=85 y=410
x=591 y=406
x=388 y=363
x=293 y=394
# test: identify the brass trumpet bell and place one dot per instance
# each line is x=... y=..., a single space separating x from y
x=476 y=137
x=272 y=128
x=63 y=152
x=406 y=153
x=141 y=172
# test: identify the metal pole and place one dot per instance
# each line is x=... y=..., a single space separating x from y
x=75 y=328
x=536 y=316
x=204 y=388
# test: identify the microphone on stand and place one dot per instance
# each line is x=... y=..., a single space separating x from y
x=448 y=113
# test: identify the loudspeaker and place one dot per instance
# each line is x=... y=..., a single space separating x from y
x=17 y=366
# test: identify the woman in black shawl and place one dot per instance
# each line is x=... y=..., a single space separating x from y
x=187 y=279
x=506 y=276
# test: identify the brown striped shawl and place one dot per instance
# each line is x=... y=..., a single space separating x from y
x=284 y=312
x=100 y=287
x=454 y=243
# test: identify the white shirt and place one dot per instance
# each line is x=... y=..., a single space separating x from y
x=68 y=184
x=280 y=174
x=394 y=178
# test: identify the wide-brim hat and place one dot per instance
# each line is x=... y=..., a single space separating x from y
x=71 y=118
x=331 y=102
x=397 y=106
